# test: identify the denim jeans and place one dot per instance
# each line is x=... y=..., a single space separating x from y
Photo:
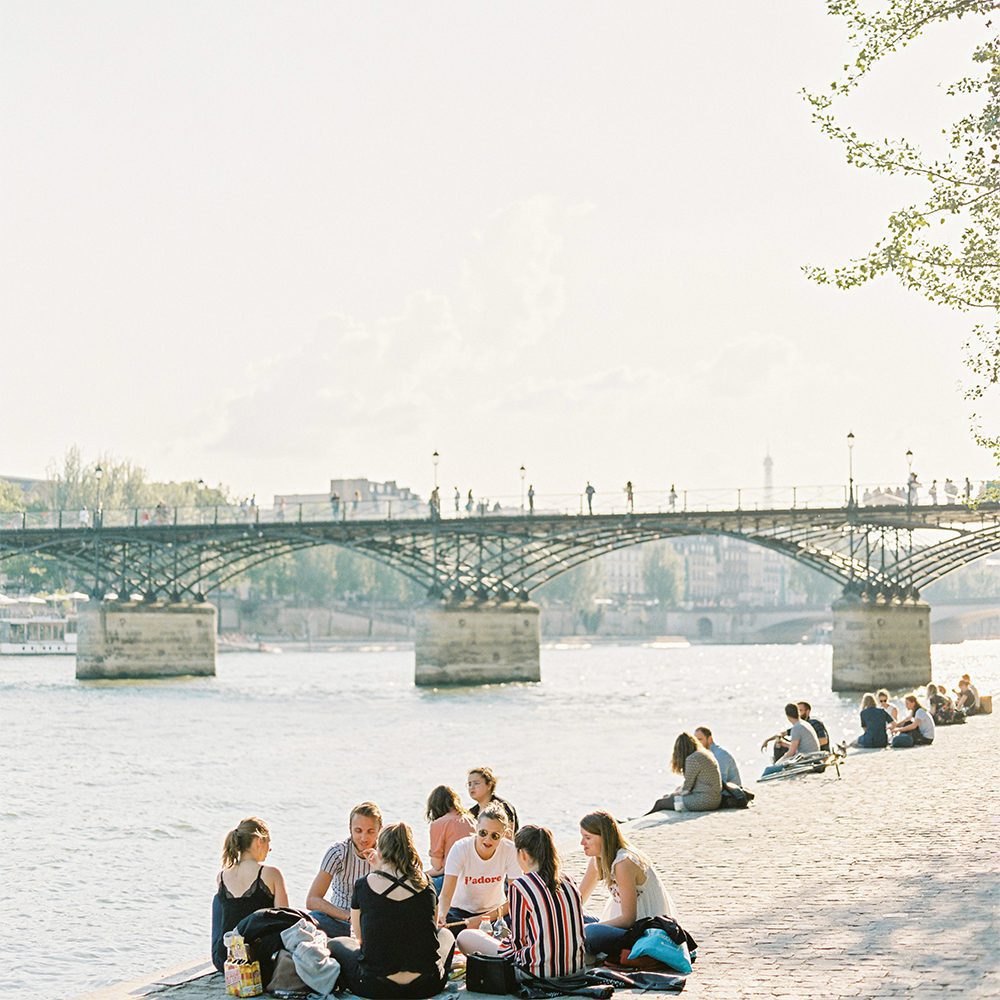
x=438 y=881
x=601 y=939
x=331 y=926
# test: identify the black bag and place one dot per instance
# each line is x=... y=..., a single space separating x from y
x=261 y=932
x=490 y=974
x=583 y=985
x=735 y=796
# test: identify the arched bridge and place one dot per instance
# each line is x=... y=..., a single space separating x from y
x=881 y=554
x=877 y=552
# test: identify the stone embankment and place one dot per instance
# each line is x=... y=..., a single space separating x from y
x=882 y=884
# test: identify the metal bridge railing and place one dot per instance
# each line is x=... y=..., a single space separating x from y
x=570 y=504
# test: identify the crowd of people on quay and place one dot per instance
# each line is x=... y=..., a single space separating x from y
x=493 y=887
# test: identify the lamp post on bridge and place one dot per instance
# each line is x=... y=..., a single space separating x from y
x=98 y=519
x=435 y=458
x=522 y=488
x=850 y=469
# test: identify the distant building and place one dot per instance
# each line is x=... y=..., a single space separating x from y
x=348 y=493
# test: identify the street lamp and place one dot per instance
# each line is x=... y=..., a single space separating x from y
x=909 y=461
x=98 y=475
x=435 y=458
x=850 y=468
x=522 y=489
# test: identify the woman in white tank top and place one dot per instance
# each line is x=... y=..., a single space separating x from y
x=634 y=886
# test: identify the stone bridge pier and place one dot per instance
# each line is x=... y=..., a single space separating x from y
x=477 y=642
x=119 y=640
x=878 y=643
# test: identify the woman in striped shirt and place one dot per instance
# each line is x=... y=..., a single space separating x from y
x=546 y=913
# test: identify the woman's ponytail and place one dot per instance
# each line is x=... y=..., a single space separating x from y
x=538 y=843
x=239 y=840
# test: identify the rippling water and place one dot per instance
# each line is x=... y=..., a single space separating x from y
x=116 y=795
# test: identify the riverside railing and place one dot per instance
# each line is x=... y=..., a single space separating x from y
x=388 y=509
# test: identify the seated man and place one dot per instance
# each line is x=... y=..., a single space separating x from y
x=801 y=737
x=805 y=714
x=343 y=864
x=727 y=766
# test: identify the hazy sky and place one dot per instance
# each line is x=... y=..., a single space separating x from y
x=272 y=243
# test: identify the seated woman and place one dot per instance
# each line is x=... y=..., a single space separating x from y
x=916 y=728
x=874 y=725
x=965 y=701
x=245 y=883
x=882 y=697
x=397 y=949
x=546 y=913
x=634 y=886
x=450 y=822
x=702 y=788
x=941 y=708
x=482 y=784
x=475 y=870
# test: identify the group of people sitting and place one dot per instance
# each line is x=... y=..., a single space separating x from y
x=492 y=887
x=881 y=720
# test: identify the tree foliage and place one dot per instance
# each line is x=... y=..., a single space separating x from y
x=663 y=573
x=944 y=246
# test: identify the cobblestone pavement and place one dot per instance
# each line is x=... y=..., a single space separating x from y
x=882 y=884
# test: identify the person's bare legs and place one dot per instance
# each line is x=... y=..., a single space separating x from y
x=478 y=942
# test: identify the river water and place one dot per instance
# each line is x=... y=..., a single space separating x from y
x=115 y=796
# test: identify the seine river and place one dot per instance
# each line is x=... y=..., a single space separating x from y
x=116 y=796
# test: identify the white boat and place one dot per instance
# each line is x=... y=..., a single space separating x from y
x=37 y=635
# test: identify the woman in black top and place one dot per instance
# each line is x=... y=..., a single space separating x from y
x=482 y=784
x=245 y=883
x=397 y=950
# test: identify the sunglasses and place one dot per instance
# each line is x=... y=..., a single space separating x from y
x=486 y=833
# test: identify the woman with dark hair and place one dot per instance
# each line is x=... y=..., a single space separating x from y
x=634 y=887
x=450 y=822
x=482 y=785
x=546 y=913
x=397 y=949
x=941 y=706
x=916 y=728
x=245 y=883
x=702 y=788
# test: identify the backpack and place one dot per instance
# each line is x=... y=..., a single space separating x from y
x=735 y=796
x=261 y=933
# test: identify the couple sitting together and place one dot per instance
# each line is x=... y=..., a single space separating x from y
x=399 y=938
x=706 y=768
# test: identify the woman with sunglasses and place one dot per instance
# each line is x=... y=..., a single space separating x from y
x=475 y=873
x=882 y=697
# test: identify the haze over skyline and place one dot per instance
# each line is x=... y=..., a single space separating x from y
x=267 y=246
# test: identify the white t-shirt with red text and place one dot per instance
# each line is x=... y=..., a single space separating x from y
x=480 y=884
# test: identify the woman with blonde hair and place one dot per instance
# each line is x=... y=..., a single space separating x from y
x=546 y=913
x=245 y=883
x=450 y=822
x=396 y=949
x=874 y=725
x=476 y=870
x=634 y=887
x=702 y=788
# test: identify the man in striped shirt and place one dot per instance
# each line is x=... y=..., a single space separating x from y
x=343 y=864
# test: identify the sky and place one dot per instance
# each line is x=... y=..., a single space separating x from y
x=268 y=245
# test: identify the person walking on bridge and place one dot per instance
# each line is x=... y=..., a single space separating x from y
x=458 y=501
x=672 y=498
x=531 y=499
x=590 y=491
x=630 y=497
